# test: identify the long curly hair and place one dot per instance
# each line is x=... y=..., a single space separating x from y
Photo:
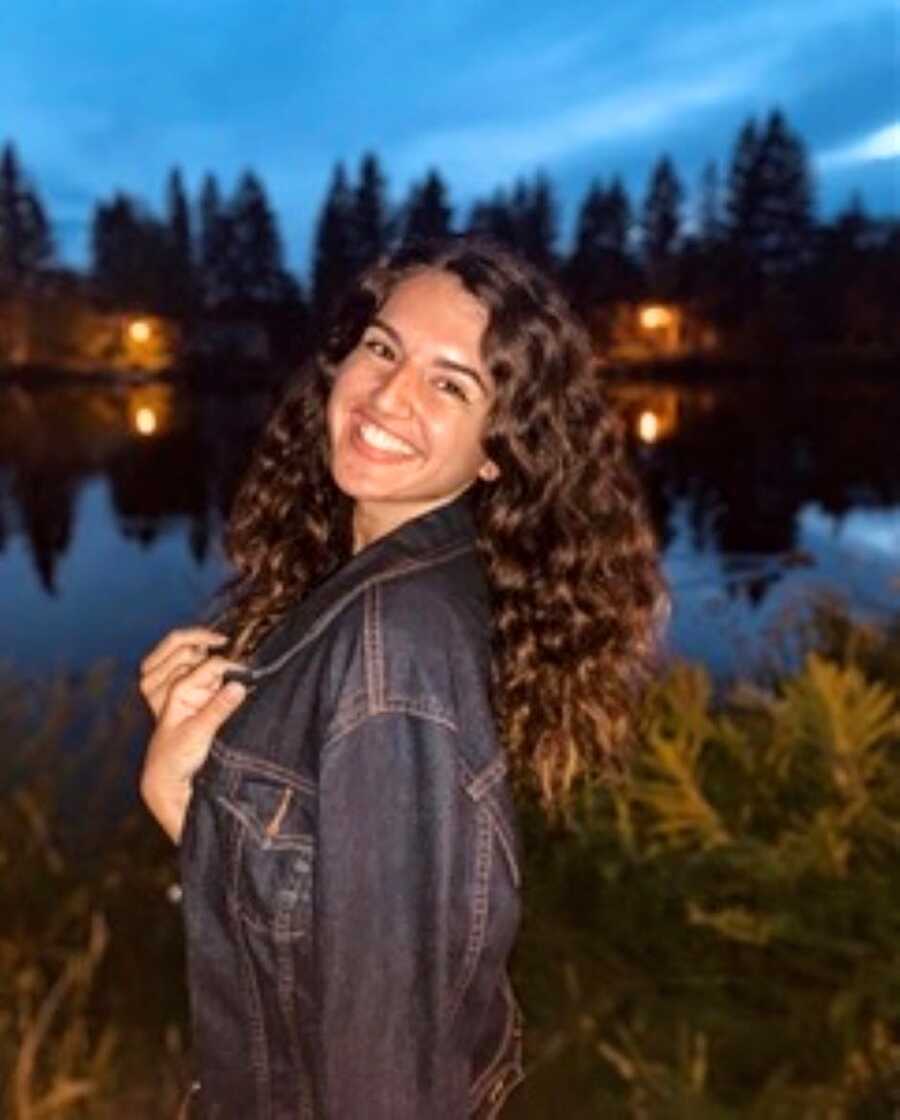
x=578 y=598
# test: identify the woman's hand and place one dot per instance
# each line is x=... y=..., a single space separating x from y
x=191 y=704
x=172 y=658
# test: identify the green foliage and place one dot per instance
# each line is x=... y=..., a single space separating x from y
x=719 y=936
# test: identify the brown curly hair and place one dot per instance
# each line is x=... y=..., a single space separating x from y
x=577 y=593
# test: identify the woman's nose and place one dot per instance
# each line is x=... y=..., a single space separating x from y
x=395 y=391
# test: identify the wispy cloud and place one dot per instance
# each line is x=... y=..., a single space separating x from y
x=882 y=144
x=484 y=154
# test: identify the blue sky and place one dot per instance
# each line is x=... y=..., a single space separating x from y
x=104 y=94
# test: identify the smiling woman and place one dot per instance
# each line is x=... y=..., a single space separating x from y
x=446 y=586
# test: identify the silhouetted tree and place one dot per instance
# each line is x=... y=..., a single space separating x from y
x=661 y=225
x=494 y=217
x=181 y=289
x=535 y=220
x=769 y=202
x=26 y=246
x=253 y=270
x=709 y=208
x=599 y=270
x=427 y=212
x=213 y=243
x=370 y=213
x=334 y=259
x=131 y=263
x=785 y=219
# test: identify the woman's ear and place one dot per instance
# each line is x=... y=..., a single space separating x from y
x=489 y=471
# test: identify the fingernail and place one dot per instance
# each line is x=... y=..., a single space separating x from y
x=234 y=690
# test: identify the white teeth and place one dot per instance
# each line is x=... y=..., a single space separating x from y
x=384 y=441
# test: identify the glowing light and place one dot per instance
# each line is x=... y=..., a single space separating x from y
x=653 y=318
x=648 y=426
x=139 y=331
x=145 y=421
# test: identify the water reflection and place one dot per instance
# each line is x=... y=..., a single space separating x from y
x=112 y=499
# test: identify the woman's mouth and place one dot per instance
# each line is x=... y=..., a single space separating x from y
x=378 y=444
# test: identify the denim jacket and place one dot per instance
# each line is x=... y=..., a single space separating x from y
x=350 y=858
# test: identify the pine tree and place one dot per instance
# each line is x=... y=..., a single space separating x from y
x=213 y=243
x=333 y=250
x=709 y=209
x=494 y=217
x=599 y=270
x=744 y=195
x=535 y=220
x=26 y=246
x=370 y=213
x=661 y=223
x=253 y=270
x=180 y=249
x=131 y=263
x=427 y=212
x=785 y=213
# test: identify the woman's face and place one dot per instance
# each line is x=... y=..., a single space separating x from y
x=409 y=404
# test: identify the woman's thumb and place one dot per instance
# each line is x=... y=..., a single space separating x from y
x=220 y=707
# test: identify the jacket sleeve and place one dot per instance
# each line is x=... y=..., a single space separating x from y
x=390 y=922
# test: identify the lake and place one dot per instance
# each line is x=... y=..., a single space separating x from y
x=112 y=499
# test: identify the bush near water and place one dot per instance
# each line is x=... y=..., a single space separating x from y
x=718 y=936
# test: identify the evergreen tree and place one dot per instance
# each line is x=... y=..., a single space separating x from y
x=661 y=223
x=180 y=250
x=599 y=270
x=709 y=209
x=785 y=212
x=427 y=212
x=213 y=243
x=370 y=213
x=743 y=204
x=535 y=220
x=494 y=217
x=770 y=196
x=253 y=270
x=131 y=263
x=26 y=246
x=333 y=250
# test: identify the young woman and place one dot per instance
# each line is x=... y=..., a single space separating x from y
x=446 y=583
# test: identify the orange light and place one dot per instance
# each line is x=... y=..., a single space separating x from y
x=139 y=331
x=655 y=317
x=648 y=426
x=145 y=421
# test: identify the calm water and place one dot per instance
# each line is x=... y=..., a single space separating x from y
x=112 y=500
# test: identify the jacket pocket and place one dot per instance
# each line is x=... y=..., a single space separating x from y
x=274 y=856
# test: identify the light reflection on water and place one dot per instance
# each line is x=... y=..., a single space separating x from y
x=111 y=504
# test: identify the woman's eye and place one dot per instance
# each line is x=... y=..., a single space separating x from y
x=447 y=385
x=379 y=348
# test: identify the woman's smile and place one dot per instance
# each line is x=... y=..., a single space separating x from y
x=377 y=443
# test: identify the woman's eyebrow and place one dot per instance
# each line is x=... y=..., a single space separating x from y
x=443 y=363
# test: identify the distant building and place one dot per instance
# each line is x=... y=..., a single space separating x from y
x=58 y=326
x=626 y=331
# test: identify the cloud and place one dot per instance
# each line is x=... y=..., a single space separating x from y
x=882 y=144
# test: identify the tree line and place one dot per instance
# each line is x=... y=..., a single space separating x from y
x=749 y=255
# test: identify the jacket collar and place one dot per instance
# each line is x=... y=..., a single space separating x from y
x=434 y=536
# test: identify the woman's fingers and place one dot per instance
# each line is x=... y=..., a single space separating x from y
x=188 y=636
x=180 y=661
x=195 y=686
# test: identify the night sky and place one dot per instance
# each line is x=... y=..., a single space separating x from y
x=106 y=94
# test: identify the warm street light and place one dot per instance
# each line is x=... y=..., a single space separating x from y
x=648 y=426
x=655 y=317
x=139 y=331
x=145 y=421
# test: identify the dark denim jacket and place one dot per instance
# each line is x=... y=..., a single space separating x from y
x=350 y=859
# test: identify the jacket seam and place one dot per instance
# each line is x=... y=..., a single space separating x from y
x=394 y=707
x=401 y=568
